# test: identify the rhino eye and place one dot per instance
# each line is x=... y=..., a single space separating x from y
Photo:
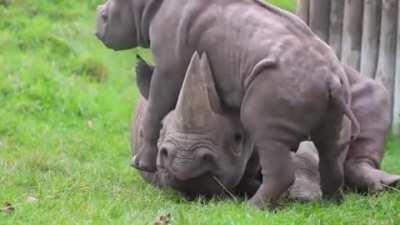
x=238 y=137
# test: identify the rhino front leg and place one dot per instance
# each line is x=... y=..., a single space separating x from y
x=162 y=99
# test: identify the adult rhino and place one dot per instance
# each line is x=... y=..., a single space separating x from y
x=370 y=102
x=283 y=81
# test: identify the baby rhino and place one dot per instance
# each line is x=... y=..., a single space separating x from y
x=370 y=104
x=202 y=152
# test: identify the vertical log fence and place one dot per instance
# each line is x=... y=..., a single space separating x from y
x=365 y=34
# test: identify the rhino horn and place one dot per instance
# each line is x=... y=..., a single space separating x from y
x=198 y=101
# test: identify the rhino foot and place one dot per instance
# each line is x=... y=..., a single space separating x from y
x=363 y=176
x=145 y=160
x=263 y=205
x=257 y=201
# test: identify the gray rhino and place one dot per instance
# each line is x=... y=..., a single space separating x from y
x=189 y=173
x=285 y=84
x=370 y=104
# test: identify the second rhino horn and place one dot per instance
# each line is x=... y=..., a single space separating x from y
x=198 y=100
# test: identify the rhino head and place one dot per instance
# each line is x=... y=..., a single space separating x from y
x=202 y=147
x=124 y=24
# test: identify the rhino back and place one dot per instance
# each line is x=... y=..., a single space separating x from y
x=236 y=35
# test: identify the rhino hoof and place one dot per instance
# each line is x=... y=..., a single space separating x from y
x=261 y=204
x=363 y=176
x=146 y=164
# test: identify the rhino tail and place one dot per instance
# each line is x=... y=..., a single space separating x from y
x=144 y=73
x=338 y=90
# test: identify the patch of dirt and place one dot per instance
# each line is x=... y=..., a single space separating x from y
x=8 y=208
x=163 y=219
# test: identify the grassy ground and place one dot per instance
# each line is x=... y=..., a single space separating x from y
x=65 y=107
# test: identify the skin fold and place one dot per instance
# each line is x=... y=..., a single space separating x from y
x=269 y=69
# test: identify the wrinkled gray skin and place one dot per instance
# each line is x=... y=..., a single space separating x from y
x=284 y=82
x=370 y=103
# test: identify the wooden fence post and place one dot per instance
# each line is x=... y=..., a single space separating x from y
x=303 y=10
x=352 y=30
x=319 y=18
x=387 y=50
x=370 y=37
x=365 y=34
x=336 y=26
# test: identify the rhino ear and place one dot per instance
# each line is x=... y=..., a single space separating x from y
x=208 y=79
x=144 y=73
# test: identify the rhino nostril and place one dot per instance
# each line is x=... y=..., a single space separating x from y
x=164 y=152
x=162 y=157
x=207 y=157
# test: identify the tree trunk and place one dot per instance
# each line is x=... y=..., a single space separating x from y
x=336 y=26
x=352 y=30
x=387 y=49
x=396 y=106
x=370 y=37
x=303 y=10
x=319 y=18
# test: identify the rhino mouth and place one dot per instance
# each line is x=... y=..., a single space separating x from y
x=204 y=186
x=185 y=169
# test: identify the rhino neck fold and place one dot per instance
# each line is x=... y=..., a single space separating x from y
x=144 y=16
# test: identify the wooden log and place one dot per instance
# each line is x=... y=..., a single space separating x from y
x=387 y=50
x=319 y=18
x=303 y=10
x=396 y=105
x=352 y=31
x=370 y=37
x=336 y=26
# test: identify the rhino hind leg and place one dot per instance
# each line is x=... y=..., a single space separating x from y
x=327 y=140
x=277 y=174
x=363 y=176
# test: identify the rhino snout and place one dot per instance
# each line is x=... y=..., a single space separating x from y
x=186 y=164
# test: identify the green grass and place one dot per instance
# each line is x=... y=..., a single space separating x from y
x=65 y=108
